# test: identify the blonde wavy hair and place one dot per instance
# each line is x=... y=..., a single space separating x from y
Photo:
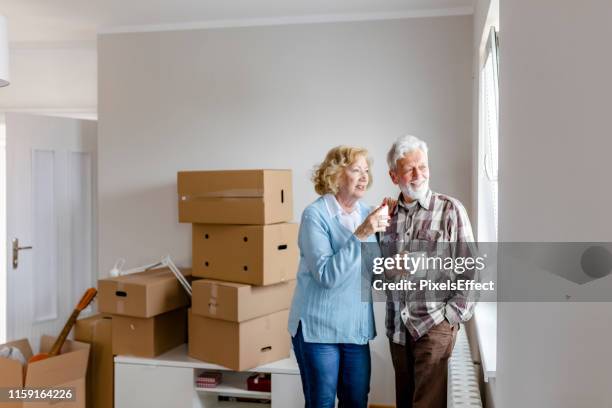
x=326 y=176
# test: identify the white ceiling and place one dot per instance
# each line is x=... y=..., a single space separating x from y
x=80 y=20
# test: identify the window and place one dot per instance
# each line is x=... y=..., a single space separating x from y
x=487 y=144
x=488 y=114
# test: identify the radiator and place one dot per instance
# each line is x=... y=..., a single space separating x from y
x=463 y=390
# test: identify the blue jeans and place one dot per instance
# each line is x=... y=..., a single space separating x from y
x=328 y=369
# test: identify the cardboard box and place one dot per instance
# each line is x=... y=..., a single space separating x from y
x=239 y=346
x=97 y=332
x=144 y=294
x=66 y=370
x=238 y=302
x=235 y=196
x=149 y=337
x=253 y=254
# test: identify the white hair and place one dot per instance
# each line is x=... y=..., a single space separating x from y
x=402 y=146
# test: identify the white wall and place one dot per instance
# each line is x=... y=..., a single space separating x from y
x=273 y=97
x=51 y=78
x=554 y=153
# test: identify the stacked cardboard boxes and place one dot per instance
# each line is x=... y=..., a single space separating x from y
x=149 y=312
x=246 y=252
x=143 y=314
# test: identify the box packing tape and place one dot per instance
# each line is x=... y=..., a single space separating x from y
x=212 y=304
x=150 y=273
x=229 y=193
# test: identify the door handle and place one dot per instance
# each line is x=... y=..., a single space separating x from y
x=16 y=249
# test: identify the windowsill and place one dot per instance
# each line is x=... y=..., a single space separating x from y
x=485 y=319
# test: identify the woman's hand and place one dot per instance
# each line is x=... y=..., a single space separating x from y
x=376 y=221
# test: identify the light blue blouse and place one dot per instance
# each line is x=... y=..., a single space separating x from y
x=328 y=296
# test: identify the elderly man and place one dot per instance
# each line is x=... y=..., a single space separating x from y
x=422 y=333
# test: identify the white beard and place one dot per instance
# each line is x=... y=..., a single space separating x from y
x=409 y=192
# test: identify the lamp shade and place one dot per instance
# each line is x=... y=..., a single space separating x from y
x=4 y=53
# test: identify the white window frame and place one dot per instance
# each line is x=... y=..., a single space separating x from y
x=485 y=316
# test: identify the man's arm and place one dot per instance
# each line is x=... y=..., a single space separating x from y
x=460 y=307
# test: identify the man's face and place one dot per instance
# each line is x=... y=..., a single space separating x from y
x=411 y=175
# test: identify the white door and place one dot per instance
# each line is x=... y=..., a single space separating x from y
x=51 y=164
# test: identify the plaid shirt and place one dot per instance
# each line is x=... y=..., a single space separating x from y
x=435 y=219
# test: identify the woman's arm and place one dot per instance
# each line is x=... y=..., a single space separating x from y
x=327 y=267
x=331 y=268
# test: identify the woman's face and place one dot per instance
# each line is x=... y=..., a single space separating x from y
x=354 y=179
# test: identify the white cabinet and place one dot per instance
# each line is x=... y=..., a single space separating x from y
x=169 y=381
x=152 y=386
x=287 y=391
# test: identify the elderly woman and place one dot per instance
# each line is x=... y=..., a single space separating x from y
x=329 y=323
